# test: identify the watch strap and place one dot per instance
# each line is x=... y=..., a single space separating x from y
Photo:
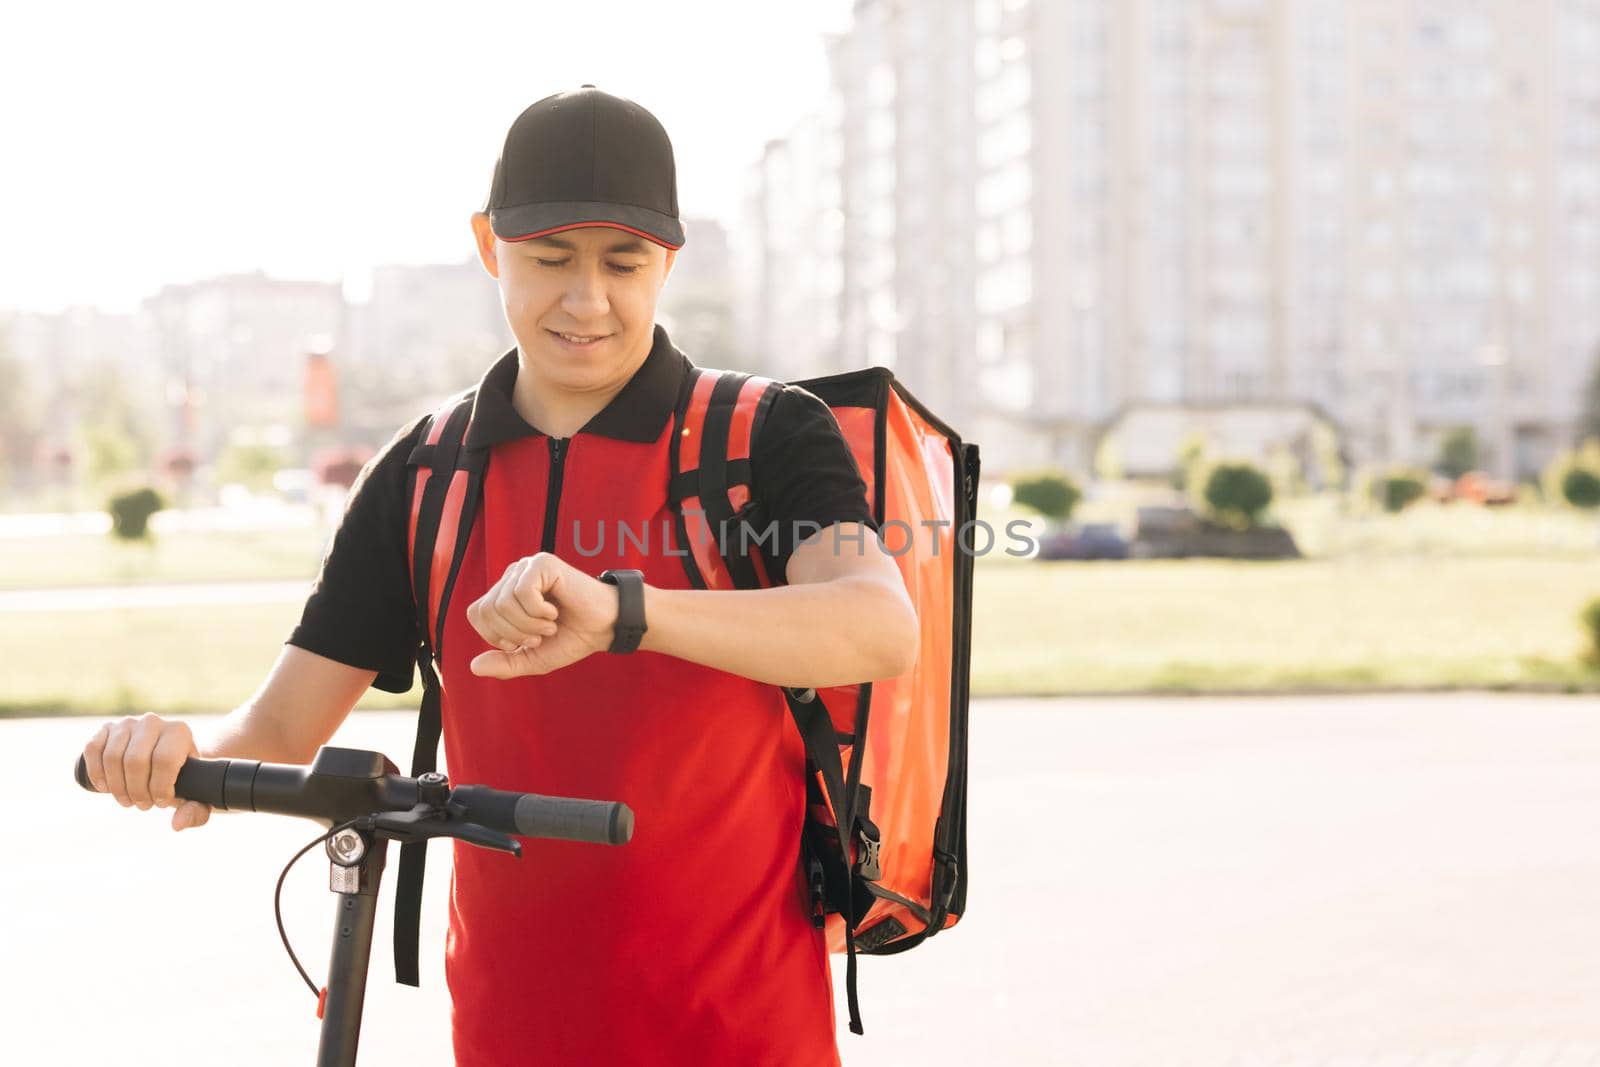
x=630 y=627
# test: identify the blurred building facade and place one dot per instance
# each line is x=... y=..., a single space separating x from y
x=697 y=305
x=425 y=331
x=1054 y=209
x=432 y=328
x=232 y=350
x=788 y=258
x=233 y=357
x=200 y=364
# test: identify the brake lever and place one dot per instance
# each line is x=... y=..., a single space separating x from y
x=476 y=834
x=425 y=822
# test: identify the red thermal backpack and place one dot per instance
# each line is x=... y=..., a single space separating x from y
x=884 y=847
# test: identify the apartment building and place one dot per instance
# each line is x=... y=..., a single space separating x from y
x=1387 y=209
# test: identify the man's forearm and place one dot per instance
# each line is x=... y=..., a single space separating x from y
x=302 y=702
x=246 y=733
x=818 y=634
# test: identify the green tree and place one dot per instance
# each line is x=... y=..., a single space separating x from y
x=1283 y=471
x=1108 y=459
x=1051 y=494
x=1237 y=494
x=1458 y=453
x=112 y=435
x=108 y=452
x=251 y=465
x=1330 y=463
x=1194 y=454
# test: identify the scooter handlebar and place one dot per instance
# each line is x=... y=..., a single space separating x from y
x=292 y=790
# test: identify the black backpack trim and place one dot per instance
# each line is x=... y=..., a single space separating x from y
x=441 y=461
x=868 y=387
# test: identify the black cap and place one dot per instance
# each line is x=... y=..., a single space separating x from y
x=586 y=158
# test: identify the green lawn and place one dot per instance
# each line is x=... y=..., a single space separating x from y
x=1322 y=526
x=144 y=659
x=97 y=559
x=1349 y=622
x=1327 y=527
x=1378 y=622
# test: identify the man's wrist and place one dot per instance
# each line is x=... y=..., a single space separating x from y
x=629 y=628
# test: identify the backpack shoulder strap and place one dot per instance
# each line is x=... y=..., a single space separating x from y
x=438 y=496
x=718 y=417
x=447 y=483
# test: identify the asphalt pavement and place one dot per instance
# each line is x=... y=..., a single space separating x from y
x=1397 y=881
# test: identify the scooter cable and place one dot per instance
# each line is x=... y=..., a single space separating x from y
x=277 y=902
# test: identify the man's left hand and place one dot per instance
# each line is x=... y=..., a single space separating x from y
x=541 y=615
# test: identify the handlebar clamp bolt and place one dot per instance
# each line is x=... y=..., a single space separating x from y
x=346 y=848
x=433 y=788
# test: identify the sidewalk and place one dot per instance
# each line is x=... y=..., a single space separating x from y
x=193 y=594
x=1400 y=881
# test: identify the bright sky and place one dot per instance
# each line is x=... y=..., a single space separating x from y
x=156 y=142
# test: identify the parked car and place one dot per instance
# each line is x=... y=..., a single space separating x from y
x=1092 y=540
x=1179 y=533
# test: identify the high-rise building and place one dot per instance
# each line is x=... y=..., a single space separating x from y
x=787 y=256
x=696 y=306
x=826 y=264
x=1389 y=209
x=905 y=103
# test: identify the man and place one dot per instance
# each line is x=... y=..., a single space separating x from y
x=692 y=944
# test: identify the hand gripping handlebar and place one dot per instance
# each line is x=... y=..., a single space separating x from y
x=365 y=803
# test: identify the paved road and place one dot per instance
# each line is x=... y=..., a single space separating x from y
x=1386 y=882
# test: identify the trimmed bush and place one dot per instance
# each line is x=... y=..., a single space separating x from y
x=1553 y=481
x=1590 y=617
x=1398 y=490
x=1237 y=494
x=131 y=511
x=1580 y=487
x=1051 y=495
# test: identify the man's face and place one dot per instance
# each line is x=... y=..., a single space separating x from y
x=581 y=303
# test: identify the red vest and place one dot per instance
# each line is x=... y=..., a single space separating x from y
x=690 y=945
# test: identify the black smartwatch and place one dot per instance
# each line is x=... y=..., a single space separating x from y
x=630 y=626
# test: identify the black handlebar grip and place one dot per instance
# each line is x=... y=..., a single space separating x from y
x=198 y=779
x=598 y=822
x=603 y=822
x=202 y=780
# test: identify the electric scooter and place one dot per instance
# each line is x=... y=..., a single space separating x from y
x=365 y=803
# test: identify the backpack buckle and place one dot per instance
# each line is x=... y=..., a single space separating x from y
x=819 y=910
x=867 y=851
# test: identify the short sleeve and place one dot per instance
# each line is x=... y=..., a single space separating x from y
x=360 y=611
x=804 y=476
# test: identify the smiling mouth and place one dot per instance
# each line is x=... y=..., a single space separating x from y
x=580 y=339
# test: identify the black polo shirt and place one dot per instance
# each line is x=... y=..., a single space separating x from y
x=360 y=612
